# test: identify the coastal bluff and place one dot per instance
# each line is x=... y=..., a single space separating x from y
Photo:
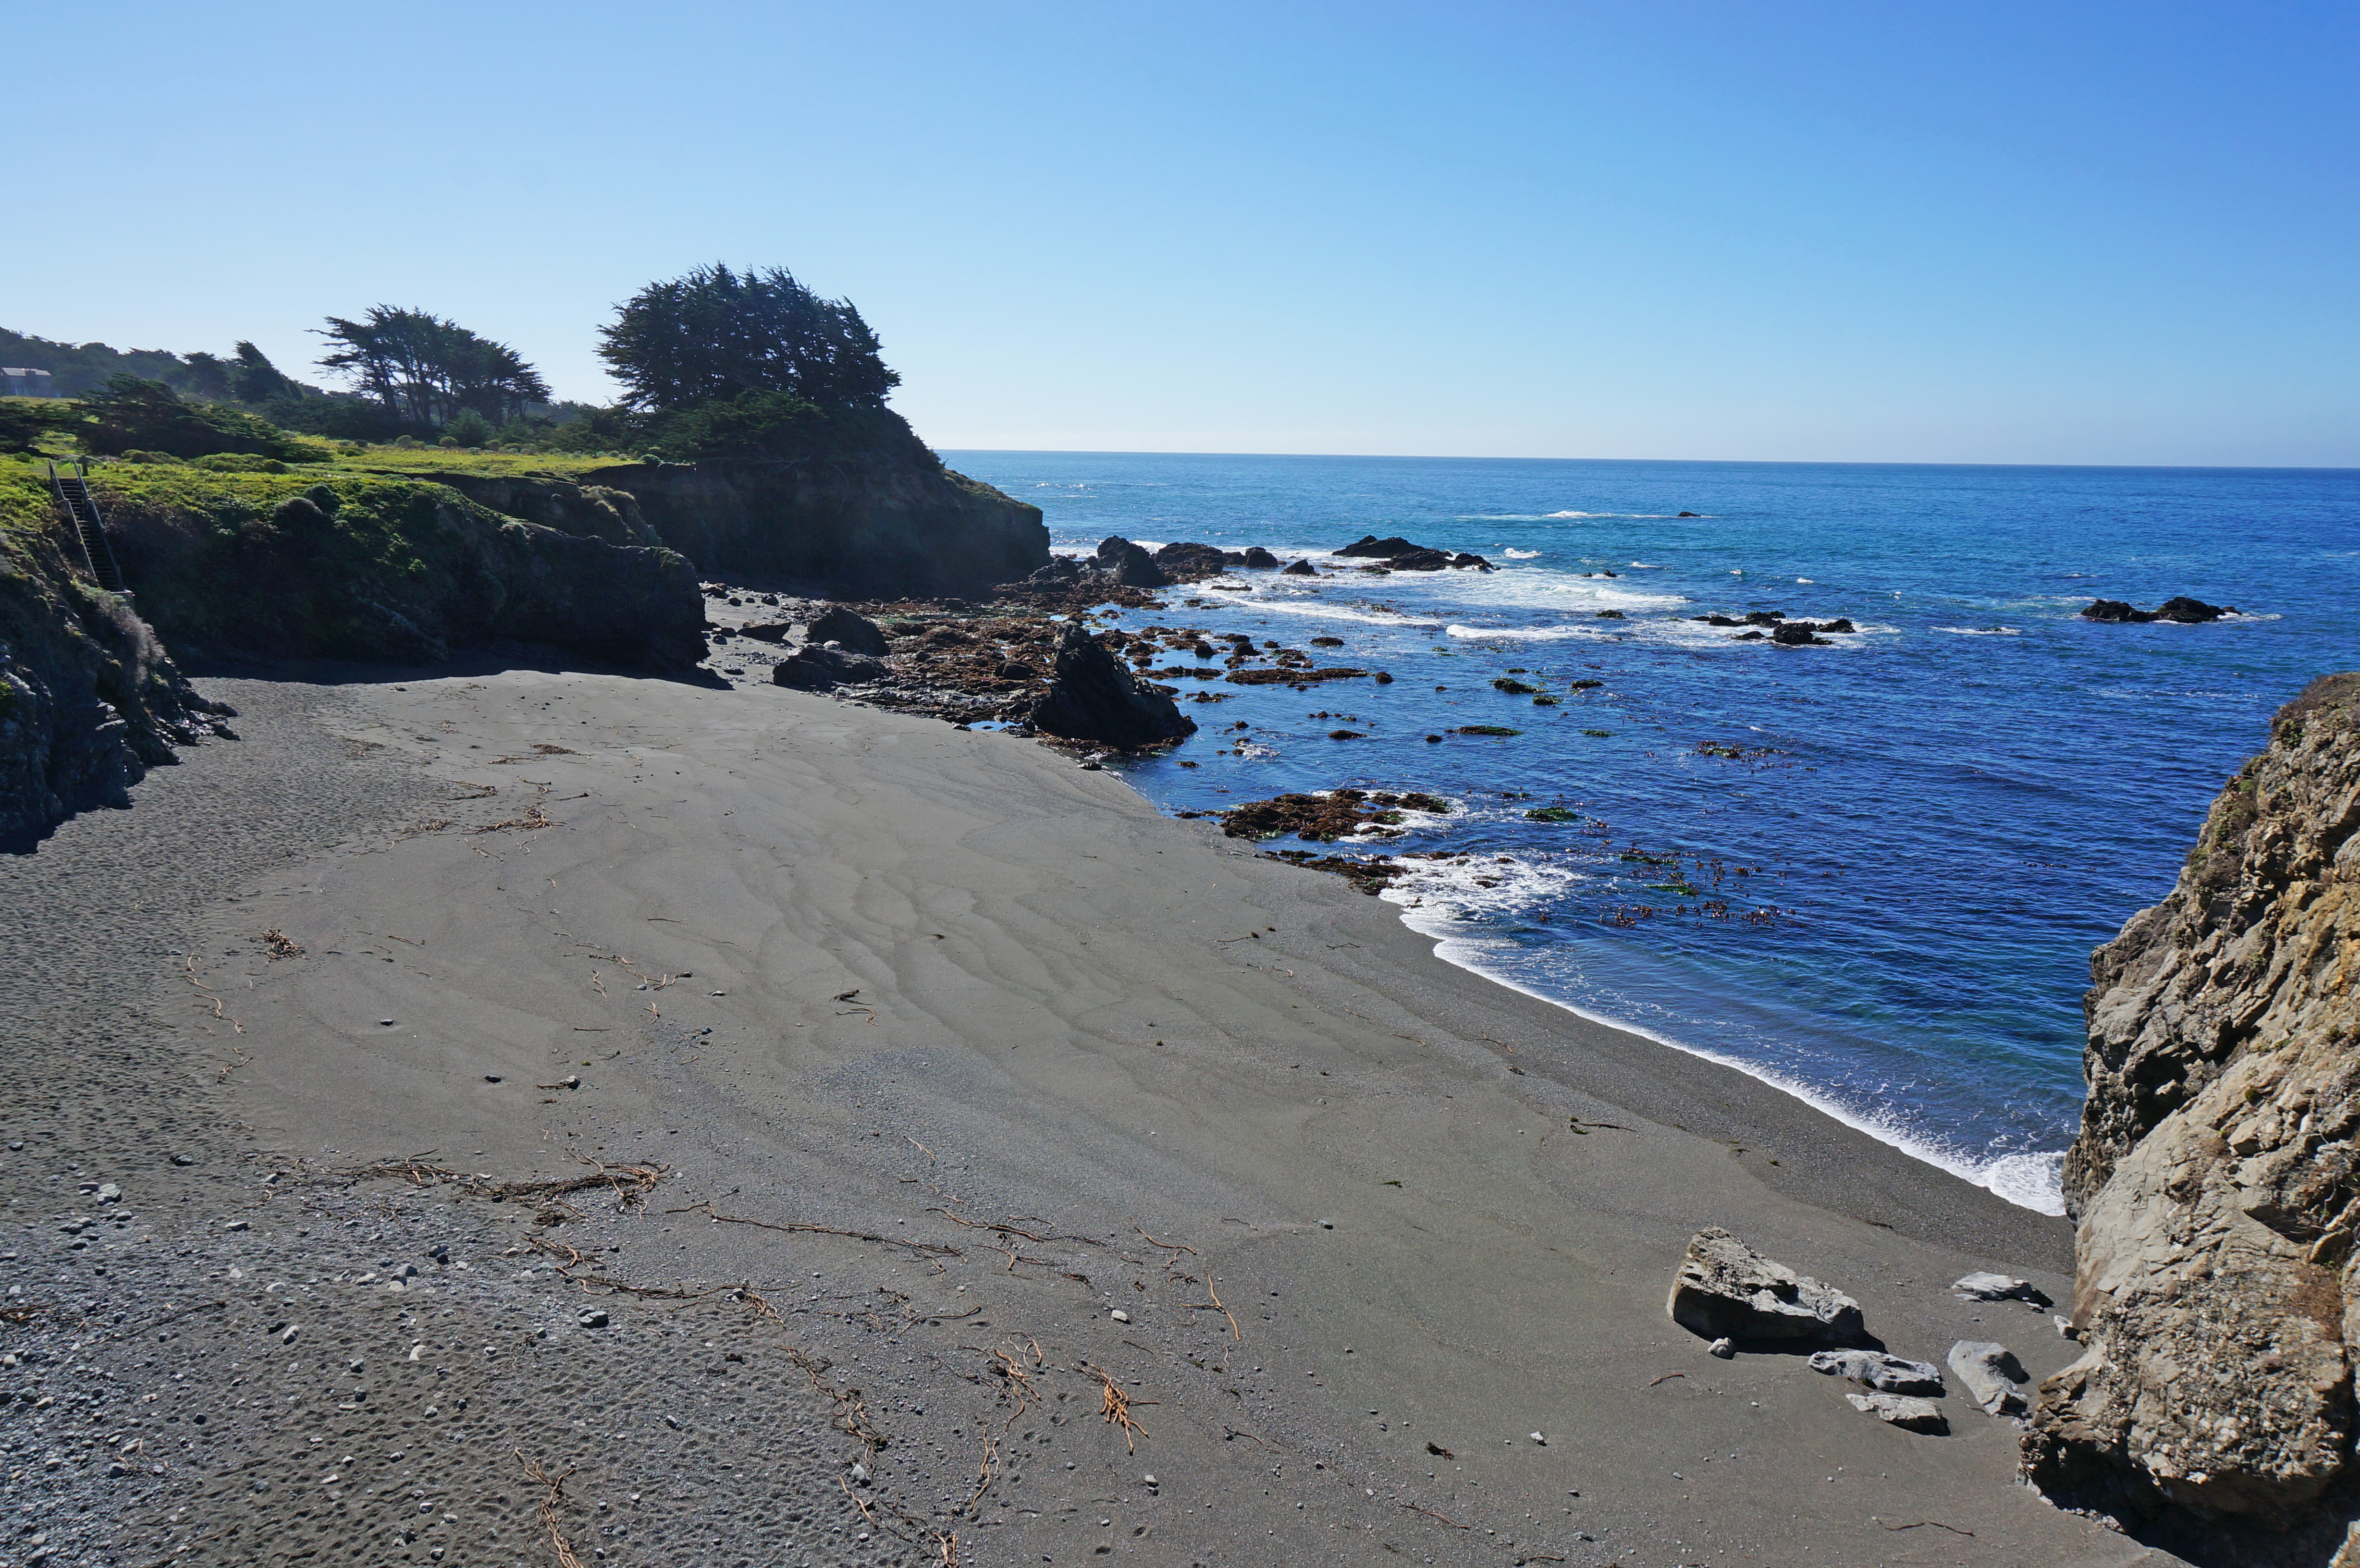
x=2214 y=1180
x=890 y=520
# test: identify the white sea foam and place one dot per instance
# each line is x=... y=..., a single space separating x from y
x=1534 y=634
x=2027 y=1180
x=1522 y=554
x=1435 y=896
x=1320 y=611
x=1979 y=631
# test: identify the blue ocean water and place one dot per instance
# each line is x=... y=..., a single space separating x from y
x=1869 y=873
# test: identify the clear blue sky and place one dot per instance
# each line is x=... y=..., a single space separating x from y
x=2050 y=233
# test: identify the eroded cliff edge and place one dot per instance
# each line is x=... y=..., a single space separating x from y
x=2214 y=1181
x=877 y=517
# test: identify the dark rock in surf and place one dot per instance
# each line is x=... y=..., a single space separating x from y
x=1299 y=568
x=1468 y=558
x=1374 y=549
x=856 y=631
x=1260 y=559
x=1688 y=514
x=1798 y=635
x=1419 y=560
x=1092 y=697
x=1129 y=564
x=1062 y=569
x=1186 y=561
x=2181 y=609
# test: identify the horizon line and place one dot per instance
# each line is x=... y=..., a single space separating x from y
x=1725 y=461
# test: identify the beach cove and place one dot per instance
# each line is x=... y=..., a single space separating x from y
x=961 y=1078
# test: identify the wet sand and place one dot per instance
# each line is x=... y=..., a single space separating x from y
x=1032 y=1055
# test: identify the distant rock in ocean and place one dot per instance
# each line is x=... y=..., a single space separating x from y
x=2184 y=610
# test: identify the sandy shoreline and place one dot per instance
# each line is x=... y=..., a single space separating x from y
x=944 y=991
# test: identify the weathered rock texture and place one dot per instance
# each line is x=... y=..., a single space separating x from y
x=2214 y=1176
x=887 y=522
x=1725 y=1289
x=89 y=700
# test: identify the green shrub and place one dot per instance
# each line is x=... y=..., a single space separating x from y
x=129 y=414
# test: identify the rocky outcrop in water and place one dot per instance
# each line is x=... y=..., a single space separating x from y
x=1092 y=697
x=2183 y=610
x=89 y=700
x=2216 y=1177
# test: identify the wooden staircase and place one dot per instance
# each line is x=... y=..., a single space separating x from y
x=72 y=491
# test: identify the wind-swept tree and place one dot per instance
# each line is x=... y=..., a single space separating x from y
x=717 y=335
x=425 y=369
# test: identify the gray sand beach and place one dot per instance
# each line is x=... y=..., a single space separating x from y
x=807 y=1135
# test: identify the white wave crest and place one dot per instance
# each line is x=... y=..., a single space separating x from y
x=1522 y=554
x=1979 y=631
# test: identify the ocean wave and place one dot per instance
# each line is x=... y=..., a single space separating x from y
x=1317 y=610
x=1979 y=631
x=1534 y=634
x=1521 y=554
x=2029 y=1180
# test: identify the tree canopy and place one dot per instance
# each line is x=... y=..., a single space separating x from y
x=717 y=335
x=426 y=370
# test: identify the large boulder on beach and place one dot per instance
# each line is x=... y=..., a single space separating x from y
x=856 y=631
x=1991 y=1375
x=814 y=668
x=1725 y=1289
x=1092 y=696
x=1129 y=564
x=2213 y=1179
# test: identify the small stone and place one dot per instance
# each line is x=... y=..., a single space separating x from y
x=110 y=1193
x=1982 y=1287
x=2065 y=1327
x=177 y=1159
x=1327 y=1224
x=236 y=1224
x=1724 y=1348
x=288 y=1337
x=385 y=1023
x=491 y=1077
x=860 y=1474
x=590 y=1317
x=1902 y=1411
x=1992 y=1376
x=1539 y=1439
x=1120 y=1315
x=1887 y=1374
x=1147 y=1480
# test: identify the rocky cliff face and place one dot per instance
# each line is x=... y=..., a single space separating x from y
x=2216 y=1181
x=368 y=568
x=887 y=522
x=89 y=701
